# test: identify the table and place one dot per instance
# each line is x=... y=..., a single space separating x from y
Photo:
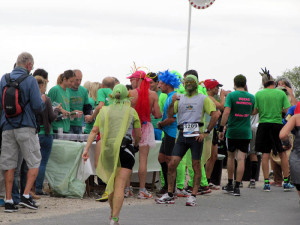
x=66 y=172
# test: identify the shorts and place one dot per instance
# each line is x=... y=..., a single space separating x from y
x=183 y=144
x=238 y=144
x=148 y=138
x=24 y=140
x=267 y=138
x=215 y=139
x=167 y=145
x=127 y=159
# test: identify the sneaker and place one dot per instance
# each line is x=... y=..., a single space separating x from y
x=144 y=195
x=165 y=199
x=182 y=193
x=10 y=207
x=128 y=192
x=191 y=201
x=28 y=202
x=228 y=188
x=236 y=192
x=213 y=187
x=203 y=190
x=267 y=187
x=287 y=187
x=2 y=202
x=112 y=222
x=251 y=184
x=241 y=184
x=189 y=189
x=161 y=192
x=103 y=197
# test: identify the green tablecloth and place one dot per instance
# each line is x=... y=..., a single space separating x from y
x=62 y=169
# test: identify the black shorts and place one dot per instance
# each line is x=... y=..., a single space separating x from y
x=267 y=138
x=215 y=138
x=238 y=144
x=127 y=159
x=183 y=144
x=167 y=145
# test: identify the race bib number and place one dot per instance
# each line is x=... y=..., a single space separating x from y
x=191 y=129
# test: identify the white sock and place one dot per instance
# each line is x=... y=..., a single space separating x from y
x=9 y=201
x=26 y=196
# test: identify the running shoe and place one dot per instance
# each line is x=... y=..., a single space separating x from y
x=267 y=187
x=182 y=193
x=28 y=203
x=165 y=199
x=128 y=192
x=144 y=195
x=10 y=207
x=112 y=222
x=241 y=184
x=202 y=190
x=189 y=189
x=228 y=188
x=191 y=201
x=251 y=184
x=213 y=187
x=287 y=187
x=236 y=192
x=161 y=192
x=103 y=197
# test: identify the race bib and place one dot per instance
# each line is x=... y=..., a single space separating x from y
x=191 y=129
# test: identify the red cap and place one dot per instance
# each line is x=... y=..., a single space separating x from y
x=139 y=74
x=211 y=83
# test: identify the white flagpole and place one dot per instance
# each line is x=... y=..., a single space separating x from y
x=188 y=39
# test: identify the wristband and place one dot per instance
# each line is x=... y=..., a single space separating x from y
x=221 y=128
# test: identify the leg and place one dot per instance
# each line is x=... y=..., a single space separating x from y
x=197 y=175
x=230 y=164
x=31 y=176
x=9 y=178
x=211 y=161
x=97 y=152
x=143 y=157
x=240 y=165
x=284 y=164
x=175 y=160
x=118 y=195
x=265 y=165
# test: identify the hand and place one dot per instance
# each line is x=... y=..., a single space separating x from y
x=88 y=118
x=222 y=93
x=59 y=107
x=201 y=137
x=78 y=113
x=65 y=113
x=159 y=125
x=85 y=154
x=221 y=135
x=174 y=98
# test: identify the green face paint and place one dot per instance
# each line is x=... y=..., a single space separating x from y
x=190 y=85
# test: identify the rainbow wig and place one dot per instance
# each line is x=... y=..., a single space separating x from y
x=169 y=78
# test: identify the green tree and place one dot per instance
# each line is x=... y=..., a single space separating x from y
x=294 y=76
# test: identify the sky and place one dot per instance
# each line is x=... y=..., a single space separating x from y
x=104 y=38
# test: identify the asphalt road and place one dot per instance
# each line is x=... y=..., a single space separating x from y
x=253 y=207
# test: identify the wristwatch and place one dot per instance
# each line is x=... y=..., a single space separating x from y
x=206 y=131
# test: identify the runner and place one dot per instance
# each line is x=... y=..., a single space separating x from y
x=190 y=108
x=238 y=108
x=116 y=123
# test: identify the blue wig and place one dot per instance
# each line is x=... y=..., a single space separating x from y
x=169 y=78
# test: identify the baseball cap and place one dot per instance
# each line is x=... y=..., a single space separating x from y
x=137 y=74
x=211 y=83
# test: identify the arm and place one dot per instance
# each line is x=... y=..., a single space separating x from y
x=156 y=110
x=213 y=120
x=255 y=111
x=91 y=138
x=166 y=122
x=224 y=120
x=90 y=118
x=51 y=113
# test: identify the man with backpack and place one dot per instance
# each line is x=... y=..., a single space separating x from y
x=21 y=101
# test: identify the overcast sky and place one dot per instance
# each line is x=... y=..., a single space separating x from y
x=104 y=38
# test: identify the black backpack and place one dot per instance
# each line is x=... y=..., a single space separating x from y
x=11 y=97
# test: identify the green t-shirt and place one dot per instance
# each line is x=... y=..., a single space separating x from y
x=153 y=120
x=59 y=95
x=103 y=95
x=270 y=103
x=241 y=104
x=89 y=126
x=78 y=99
